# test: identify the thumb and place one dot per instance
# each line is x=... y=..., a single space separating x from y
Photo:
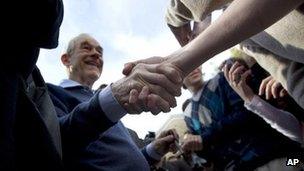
x=152 y=60
x=167 y=139
x=128 y=68
x=162 y=145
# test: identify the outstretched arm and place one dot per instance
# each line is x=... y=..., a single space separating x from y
x=241 y=20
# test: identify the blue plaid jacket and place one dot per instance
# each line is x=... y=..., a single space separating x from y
x=235 y=135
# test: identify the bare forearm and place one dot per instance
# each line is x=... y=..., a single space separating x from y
x=243 y=19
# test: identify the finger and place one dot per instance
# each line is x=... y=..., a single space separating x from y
x=200 y=143
x=134 y=105
x=236 y=74
x=152 y=104
x=158 y=102
x=185 y=146
x=174 y=133
x=168 y=139
x=275 y=89
x=163 y=134
x=161 y=80
x=166 y=133
x=245 y=75
x=151 y=60
x=268 y=89
x=226 y=73
x=133 y=96
x=143 y=97
x=130 y=65
x=163 y=94
x=128 y=68
x=171 y=132
x=172 y=72
x=194 y=143
x=132 y=109
x=263 y=85
x=155 y=111
x=283 y=93
x=231 y=70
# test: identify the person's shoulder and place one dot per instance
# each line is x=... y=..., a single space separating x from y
x=62 y=97
x=58 y=91
x=216 y=81
x=52 y=85
x=54 y=88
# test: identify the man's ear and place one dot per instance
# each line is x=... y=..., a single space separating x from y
x=65 y=59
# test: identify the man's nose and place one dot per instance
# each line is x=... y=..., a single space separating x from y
x=96 y=53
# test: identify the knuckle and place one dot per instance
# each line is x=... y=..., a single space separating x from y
x=159 y=67
x=140 y=65
x=161 y=78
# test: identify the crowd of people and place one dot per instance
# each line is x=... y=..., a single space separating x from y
x=248 y=117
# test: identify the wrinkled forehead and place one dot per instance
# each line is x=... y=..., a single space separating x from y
x=85 y=39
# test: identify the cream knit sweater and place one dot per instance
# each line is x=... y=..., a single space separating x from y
x=284 y=38
x=180 y=12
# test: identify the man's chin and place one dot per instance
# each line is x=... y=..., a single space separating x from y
x=94 y=75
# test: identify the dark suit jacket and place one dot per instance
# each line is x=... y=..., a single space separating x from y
x=30 y=133
x=29 y=139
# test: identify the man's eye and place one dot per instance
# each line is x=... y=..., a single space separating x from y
x=87 y=47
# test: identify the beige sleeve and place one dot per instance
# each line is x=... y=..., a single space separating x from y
x=180 y=12
x=177 y=14
x=289 y=73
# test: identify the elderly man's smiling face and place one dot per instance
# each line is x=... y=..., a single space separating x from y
x=85 y=58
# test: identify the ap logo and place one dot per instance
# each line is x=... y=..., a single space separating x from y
x=292 y=162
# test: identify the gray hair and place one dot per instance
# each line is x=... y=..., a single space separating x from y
x=73 y=42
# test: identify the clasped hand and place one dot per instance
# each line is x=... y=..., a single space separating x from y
x=150 y=85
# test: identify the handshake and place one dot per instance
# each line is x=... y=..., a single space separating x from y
x=150 y=85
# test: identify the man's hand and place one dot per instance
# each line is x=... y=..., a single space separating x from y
x=271 y=88
x=148 y=87
x=165 y=142
x=162 y=79
x=236 y=77
x=152 y=60
x=192 y=143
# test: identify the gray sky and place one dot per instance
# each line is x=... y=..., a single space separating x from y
x=127 y=30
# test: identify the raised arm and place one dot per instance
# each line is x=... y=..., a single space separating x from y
x=241 y=20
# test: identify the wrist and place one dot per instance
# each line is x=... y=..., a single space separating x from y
x=110 y=105
x=153 y=152
x=119 y=93
x=249 y=97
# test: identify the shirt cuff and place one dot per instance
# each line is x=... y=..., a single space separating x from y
x=152 y=153
x=109 y=105
x=253 y=103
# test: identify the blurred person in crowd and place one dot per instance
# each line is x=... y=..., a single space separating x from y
x=275 y=112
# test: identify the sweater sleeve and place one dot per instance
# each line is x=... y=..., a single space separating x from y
x=84 y=123
x=181 y=12
x=283 y=121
